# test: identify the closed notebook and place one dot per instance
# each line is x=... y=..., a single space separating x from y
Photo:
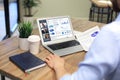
x=27 y=61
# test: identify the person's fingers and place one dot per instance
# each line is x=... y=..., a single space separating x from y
x=46 y=60
x=51 y=56
x=49 y=63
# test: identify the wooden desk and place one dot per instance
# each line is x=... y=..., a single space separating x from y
x=10 y=47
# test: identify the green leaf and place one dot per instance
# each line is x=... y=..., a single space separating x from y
x=25 y=29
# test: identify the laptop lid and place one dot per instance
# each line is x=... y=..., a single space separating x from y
x=55 y=29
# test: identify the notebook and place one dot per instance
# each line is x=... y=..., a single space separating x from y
x=87 y=37
x=57 y=35
x=27 y=61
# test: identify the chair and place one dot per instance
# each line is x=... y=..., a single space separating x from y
x=101 y=8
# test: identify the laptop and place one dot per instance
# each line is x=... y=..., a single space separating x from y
x=57 y=35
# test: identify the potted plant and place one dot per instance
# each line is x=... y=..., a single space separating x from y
x=25 y=30
x=28 y=5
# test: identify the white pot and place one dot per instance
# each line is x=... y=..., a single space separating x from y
x=23 y=44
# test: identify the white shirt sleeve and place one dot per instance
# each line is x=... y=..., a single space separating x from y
x=100 y=60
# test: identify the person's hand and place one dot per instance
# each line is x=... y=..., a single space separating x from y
x=58 y=64
x=55 y=62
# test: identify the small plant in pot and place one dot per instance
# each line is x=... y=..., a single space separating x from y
x=25 y=30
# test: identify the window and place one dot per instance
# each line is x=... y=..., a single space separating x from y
x=9 y=13
x=2 y=21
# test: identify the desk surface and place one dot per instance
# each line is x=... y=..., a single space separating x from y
x=10 y=47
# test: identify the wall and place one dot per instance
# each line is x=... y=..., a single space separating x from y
x=74 y=8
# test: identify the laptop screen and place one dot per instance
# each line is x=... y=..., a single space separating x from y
x=55 y=28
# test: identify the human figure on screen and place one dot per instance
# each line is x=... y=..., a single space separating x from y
x=102 y=61
x=45 y=30
x=47 y=36
x=43 y=25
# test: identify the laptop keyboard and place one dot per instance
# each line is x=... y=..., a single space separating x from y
x=64 y=45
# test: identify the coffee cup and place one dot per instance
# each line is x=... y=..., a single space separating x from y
x=34 y=44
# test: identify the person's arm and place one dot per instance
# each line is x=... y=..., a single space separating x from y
x=100 y=60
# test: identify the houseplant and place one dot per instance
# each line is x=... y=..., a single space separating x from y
x=28 y=5
x=25 y=30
